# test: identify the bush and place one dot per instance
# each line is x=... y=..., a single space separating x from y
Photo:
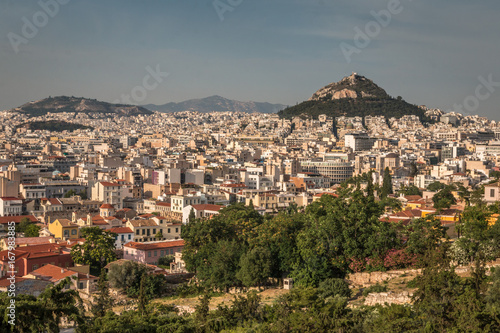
x=377 y=288
x=332 y=287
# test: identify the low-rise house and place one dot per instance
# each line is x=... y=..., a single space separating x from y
x=30 y=258
x=10 y=206
x=26 y=241
x=200 y=211
x=4 y=221
x=64 y=229
x=150 y=253
x=123 y=235
x=78 y=281
x=492 y=193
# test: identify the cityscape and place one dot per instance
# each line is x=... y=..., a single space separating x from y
x=342 y=208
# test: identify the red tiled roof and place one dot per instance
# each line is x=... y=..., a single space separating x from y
x=9 y=198
x=121 y=230
x=158 y=245
x=106 y=206
x=207 y=207
x=33 y=240
x=52 y=273
x=17 y=219
x=108 y=184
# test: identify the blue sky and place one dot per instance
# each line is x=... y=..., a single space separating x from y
x=431 y=53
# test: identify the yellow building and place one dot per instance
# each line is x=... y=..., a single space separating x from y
x=64 y=229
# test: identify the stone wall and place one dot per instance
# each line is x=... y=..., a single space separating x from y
x=367 y=279
x=390 y=297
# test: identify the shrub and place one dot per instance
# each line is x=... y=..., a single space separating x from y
x=377 y=288
x=332 y=287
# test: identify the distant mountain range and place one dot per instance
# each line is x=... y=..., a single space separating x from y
x=216 y=103
x=354 y=95
x=77 y=104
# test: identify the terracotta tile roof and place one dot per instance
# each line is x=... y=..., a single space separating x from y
x=108 y=184
x=153 y=246
x=66 y=223
x=52 y=273
x=9 y=198
x=33 y=240
x=121 y=230
x=208 y=207
x=106 y=206
x=6 y=283
x=17 y=219
x=163 y=204
x=143 y=223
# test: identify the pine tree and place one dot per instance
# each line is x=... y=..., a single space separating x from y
x=387 y=184
x=103 y=300
x=142 y=296
x=192 y=215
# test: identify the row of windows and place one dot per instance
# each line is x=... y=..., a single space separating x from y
x=162 y=253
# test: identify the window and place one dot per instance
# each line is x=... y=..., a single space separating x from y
x=137 y=232
x=156 y=253
x=168 y=230
x=176 y=230
x=129 y=236
x=143 y=231
x=149 y=253
x=154 y=231
x=73 y=232
x=162 y=253
x=80 y=286
x=34 y=267
x=492 y=193
x=171 y=251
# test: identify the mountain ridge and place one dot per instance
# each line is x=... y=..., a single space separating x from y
x=61 y=104
x=216 y=103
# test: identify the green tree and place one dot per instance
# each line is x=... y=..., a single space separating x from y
x=23 y=225
x=70 y=193
x=333 y=287
x=127 y=276
x=423 y=236
x=413 y=169
x=255 y=267
x=386 y=184
x=32 y=230
x=142 y=299
x=192 y=215
x=409 y=190
x=159 y=235
x=444 y=198
x=339 y=231
x=436 y=186
x=102 y=301
x=98 y=249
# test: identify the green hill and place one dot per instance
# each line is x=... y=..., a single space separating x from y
x=354 y=95
x=78 y=104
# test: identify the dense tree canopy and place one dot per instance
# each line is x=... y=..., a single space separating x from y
x=98 y=249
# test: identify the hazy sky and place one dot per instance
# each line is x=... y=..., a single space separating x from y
x=280 y=51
